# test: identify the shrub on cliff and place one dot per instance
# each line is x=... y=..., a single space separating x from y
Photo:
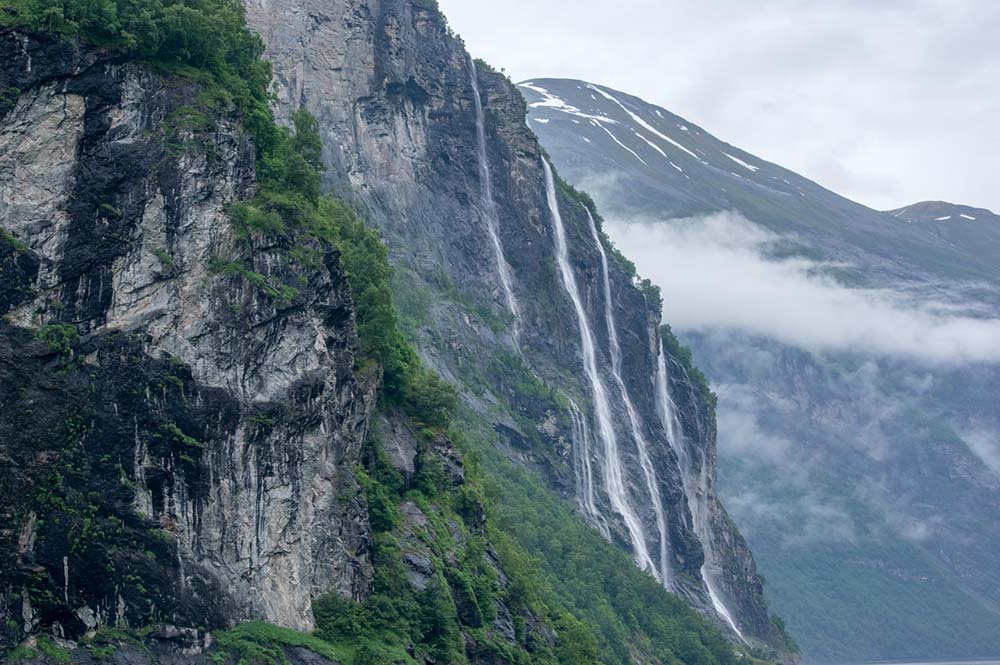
x=207 y=39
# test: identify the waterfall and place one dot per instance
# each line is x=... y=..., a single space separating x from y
x=695 y=495
x=671 y=422
x=613 y=477
x=488 y=205
x=584 y=472
x=652 y=482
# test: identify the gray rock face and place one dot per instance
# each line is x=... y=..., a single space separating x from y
x=391 y=88
x=115 y=210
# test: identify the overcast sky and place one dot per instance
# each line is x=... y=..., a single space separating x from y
x=888 y=102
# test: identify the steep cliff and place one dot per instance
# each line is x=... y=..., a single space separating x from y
x=435 y=149
x=189 y=429
x=154 y=405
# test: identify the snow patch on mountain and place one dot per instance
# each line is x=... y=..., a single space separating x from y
x=555 y=103
x=642 y=123
x=652 y=145
x=739 y=161
x=615 y=139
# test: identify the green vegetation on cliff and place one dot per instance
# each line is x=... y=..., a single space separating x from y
x=290 y=210
x=630 y=614
x=207 y=40
x=458 y=610
x=400 y=620
x=683 y=354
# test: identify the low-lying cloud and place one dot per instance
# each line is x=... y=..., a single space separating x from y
x=715 y=276
x=744 y=437
x=801 y=519
x=985 y=444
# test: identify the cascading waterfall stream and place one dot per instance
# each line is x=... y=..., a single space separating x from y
x=488 y=205
x=583 y=471
x=652 y=482
x=698 y=507
x=707 y=572
x=613 y=477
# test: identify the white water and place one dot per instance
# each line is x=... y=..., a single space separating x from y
x=698 y=507
x=652 y=482
x=488 y=205
x=613 y=478
x=708 y=568
x=584 y=471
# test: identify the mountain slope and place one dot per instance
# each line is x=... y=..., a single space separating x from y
x=195 y=430
x=861 y=466
x=974 y=233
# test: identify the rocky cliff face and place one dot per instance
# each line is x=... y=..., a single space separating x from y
x=395 y=95
x=178 y=441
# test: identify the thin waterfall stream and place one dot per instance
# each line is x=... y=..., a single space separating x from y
x=652 y=482
x=698 y=507
x=584 y=472
x=488 y=204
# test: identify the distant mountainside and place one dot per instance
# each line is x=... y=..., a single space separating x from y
x=855 y=357
x=940 y=211
x=973 y=232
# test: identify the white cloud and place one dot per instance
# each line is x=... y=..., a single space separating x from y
x=740 y=431
x=898 y=512
x=714 y=276
x=801 y=519
x=985 y=444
